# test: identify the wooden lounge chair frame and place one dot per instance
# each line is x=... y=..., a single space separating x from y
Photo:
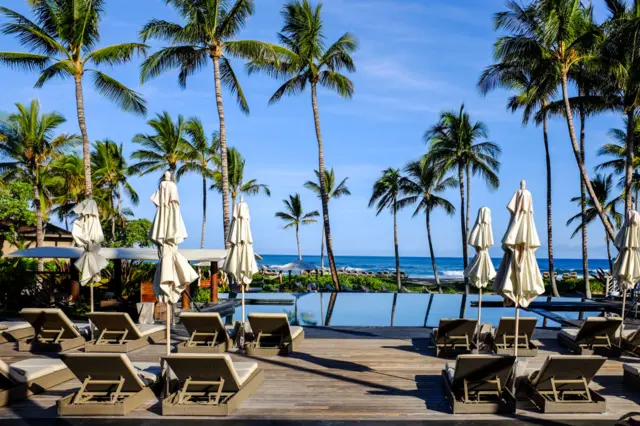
x=593 y=343
x=271 y=344
x=504 y=343
x=213 y=340
x=60 y=339
x=11 y=391
x=453 y=344
x=631 y=343
x=493 y=395
x=631 y=379
x=210 y=399
x=126 y=337
x=582 y=398
x=15 y=335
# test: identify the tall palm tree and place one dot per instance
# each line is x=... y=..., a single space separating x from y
x=207 y=33
x=30 y=144
x=386 y=194
x=111 y=173
x=333 y=191
x=67 y=173
x=62 y=42
x=165 y=149
x=201 y=157
x=422 y=186
x=603 y=185
x=303 y=60
x=454 y=147
x=294 y=216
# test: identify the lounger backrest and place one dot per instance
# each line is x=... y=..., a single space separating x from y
x=104 y=367
x=205 y=367
x=270 y=324
x=478 y=369
x=598 y=326
x=115 y=321
x=567 y=367
x=507 y=326
x=203 y=322
x=455 y=327
x=50 y=319
x=634 y=338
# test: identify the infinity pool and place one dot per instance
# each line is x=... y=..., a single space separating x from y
x=375 y=309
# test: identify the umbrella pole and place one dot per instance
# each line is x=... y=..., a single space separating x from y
x=242 y=286
x=479 y=327
x=91 y=309
x=515 y=347
x=624 y=305
x=168 y=328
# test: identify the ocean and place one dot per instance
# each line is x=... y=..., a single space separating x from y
x=420 y=267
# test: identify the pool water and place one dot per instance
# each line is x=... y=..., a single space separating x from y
x=375 y=309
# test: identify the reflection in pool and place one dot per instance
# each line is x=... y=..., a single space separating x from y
x=377 y=309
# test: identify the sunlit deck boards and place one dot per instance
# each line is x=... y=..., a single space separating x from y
x=352 y=374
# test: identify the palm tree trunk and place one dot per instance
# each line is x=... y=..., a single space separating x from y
x=583 y=207
x=233 y=203
x=609 y=254
x=395 y=245
x=39 y=220
x=224 y=167
x=468 y=210
x=629 y=163
x=113 y=219
x=204 y=210
x=576 y=152
x=433 y=258
x=323 y=189
x=552 y=277
x=322 y=252
x=86 y=153
x=465 y=251
x=298 y=242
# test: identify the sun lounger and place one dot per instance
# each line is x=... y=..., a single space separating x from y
x=12 y=331
x=111 y=385
x=454 y=336
x=210 y=385
x=597 y=335
x=631 y=341
x=503 y=340
x=53 y=331
x=631 y=375
x=272 y=335
x=478 y=384
x=30 y=376
x=573 y=275
x=565 y=276
x=116 y=332
x=562 y=385
x=207 y=333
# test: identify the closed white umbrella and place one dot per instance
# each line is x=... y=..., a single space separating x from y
x=480 y=271
x=518 y=278
x=174 y=272
x=626 y=269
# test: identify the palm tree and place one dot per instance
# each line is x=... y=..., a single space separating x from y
x=30 y=144
x=454 y=147
x=111 y=173
x=67 y=174
x=163 y=150
x=208 y=32
x=62 y=43
x=422 y=185
x=200 y=155
x=295 y=216
x=386 y=194
x=333 y=191
x=603 y=185
x=303 y=59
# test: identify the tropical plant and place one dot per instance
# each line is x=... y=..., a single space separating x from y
x=422 y=185
x=67 y=174
x=63 y=43
x=200 y=155
x=333 y=191
x=208 y=32
x=303 y=60
x=454 y=147
x=294 y=216
x=163 y=150
x=385 y=195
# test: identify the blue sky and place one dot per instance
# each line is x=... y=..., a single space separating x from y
x=415 y=59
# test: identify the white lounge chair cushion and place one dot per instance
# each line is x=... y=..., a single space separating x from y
x=451 y=372
x=571 y=333
x=295 y=331
x=244 y=370
x=632 y=368
x=9 y=326
x=34 y=368
x=148 y=372
x=147 y=329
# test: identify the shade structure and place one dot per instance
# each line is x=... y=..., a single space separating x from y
x=87 y=235
x=626 y=269
x=480 y=271
x=241 y=261
x=518 y=278
x=174 y=272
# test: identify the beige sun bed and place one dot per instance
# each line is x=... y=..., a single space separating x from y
x=478 y=384
x=111 y=385
x=207 y=333
x=631 y=341
x=12 y=331
x=116 y=332
x=53 y=331
x=503 y=338
x=210 y=384
x=562 y=385
x=597 y=335
x=272 y=335
x=30 y=376
x=454 y=336
x=631 y=375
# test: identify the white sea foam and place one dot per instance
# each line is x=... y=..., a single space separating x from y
x=452 y=274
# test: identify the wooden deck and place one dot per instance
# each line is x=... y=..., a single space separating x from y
x=347 y=375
